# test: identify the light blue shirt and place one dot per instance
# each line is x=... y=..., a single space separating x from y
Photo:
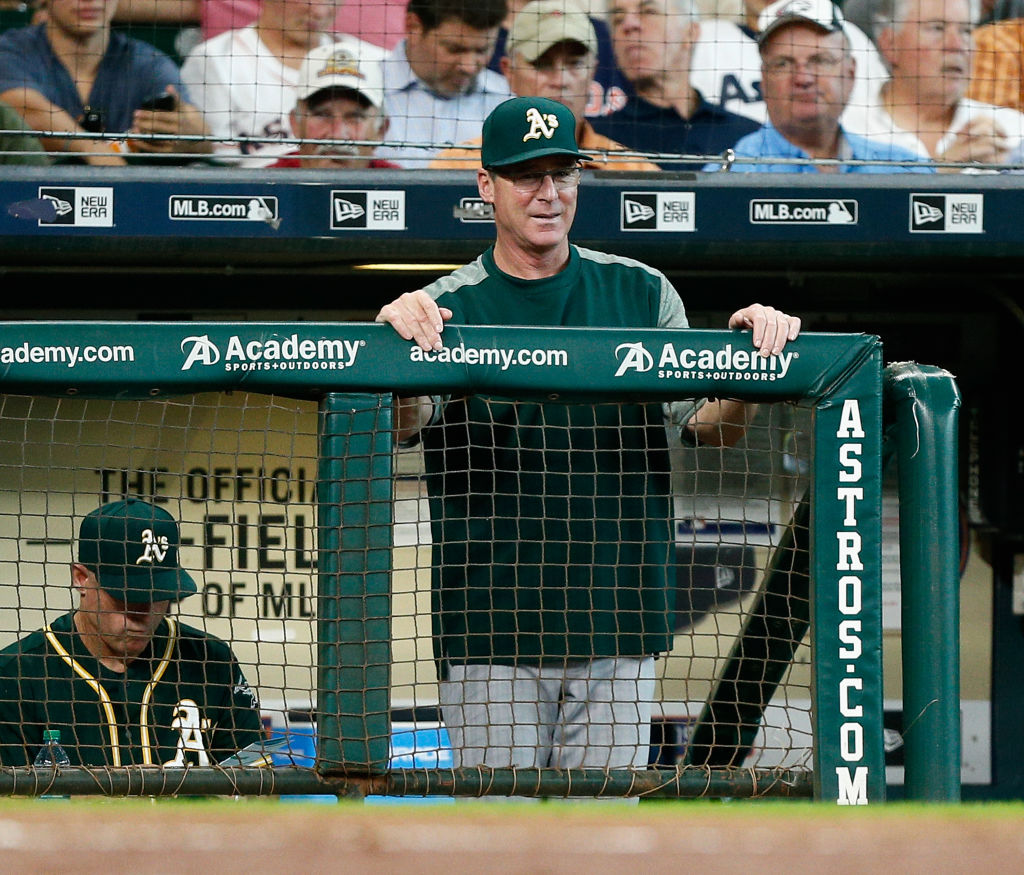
x=418 y=115
x=768 y=143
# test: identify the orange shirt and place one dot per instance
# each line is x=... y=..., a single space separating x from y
x=468 y=158
x=997 y=75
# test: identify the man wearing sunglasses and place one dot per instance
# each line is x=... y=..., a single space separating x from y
x=552 y=557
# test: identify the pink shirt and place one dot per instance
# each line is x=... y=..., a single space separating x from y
x=381 y=22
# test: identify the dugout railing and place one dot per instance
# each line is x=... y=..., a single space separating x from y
x=350 y=371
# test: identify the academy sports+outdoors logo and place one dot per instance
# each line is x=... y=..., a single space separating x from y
x=290 y=353
x=683 y=362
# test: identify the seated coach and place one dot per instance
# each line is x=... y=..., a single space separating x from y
x=124 y=680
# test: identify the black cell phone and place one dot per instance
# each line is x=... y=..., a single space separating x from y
x=92 y=120
x=162 y=103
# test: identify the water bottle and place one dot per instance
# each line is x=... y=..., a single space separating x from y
x=52 y=755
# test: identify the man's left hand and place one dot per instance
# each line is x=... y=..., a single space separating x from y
x=772 y=328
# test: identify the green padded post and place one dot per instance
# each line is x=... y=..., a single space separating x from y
x=925 y=405
x=846 y=590
x=354 y=525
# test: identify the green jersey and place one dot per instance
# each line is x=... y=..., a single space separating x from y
x=552 y=523
x=183 y=701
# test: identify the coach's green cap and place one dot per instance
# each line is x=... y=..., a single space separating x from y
x=524 y=128
x=132 y=548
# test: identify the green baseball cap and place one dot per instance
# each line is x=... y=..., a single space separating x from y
x=524 y=128
x=132 y=548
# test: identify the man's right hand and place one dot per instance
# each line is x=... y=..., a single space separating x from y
x=980 y=141
x=416 y=316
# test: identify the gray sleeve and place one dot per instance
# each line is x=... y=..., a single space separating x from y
x=672 y=314
x=438 y=403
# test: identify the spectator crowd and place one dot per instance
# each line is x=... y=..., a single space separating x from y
x=655 y=85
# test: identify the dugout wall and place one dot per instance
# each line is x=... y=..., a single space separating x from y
x=837 y=377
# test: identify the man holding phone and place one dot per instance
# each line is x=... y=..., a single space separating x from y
x=130 y=88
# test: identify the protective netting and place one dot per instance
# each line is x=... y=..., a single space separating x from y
x=662 y=85
x=238 y=472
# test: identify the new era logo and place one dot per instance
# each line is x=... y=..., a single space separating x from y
x=473 y=209
x=79 y=206
x=345 y=211
x=61 y=207
x=947 y=213
x=634 y=211
x=925 y=213
x=369 y=210
x=658 y=211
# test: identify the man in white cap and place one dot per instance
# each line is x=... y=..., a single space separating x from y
x=340 y=97
x=609 y=89
x=807 y=74
x=244 y=79
x=551 y=51
x=726 y=66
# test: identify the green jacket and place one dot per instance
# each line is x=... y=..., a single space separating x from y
x=552 y=523
x=183 y=701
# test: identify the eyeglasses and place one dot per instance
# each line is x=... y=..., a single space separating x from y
x=815 y=64
x=531 y=181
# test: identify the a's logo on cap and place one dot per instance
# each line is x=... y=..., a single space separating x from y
x=541 y=125
x=154 y=548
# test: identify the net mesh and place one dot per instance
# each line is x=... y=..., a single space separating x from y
x=239 y=472
x=639 y=89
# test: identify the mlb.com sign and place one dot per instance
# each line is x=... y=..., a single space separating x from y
x=816 y=211
x=223 y=208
